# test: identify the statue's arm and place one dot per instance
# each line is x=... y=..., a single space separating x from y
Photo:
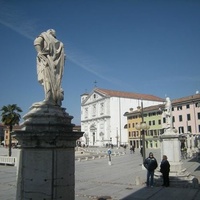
x=39 y=44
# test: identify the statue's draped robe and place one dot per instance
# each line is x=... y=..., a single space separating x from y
x=50 y=66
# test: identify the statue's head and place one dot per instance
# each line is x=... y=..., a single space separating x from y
x=52 y=32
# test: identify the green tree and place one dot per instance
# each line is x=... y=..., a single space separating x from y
x=10 y=117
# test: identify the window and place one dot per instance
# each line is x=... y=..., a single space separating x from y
x=188 y=106
x=159 y=121
x=102 y=108
x=197 y=104
x=94 y=110
x=179 y=107
x=173 y=119
x=189 y=129
x=86 y=112
x=164 y=120
x=188 y=117
x=198 y=115
x=153 y=122
x=180 y=118
x=181 y=129
x=149 y=123
x=133 y=125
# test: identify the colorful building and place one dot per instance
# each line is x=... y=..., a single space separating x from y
x=186 y=122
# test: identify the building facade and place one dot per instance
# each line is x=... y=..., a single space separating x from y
x=102 y=115
x=186 y=114
x=186 y=122
x=7 y=135
x=152 y=116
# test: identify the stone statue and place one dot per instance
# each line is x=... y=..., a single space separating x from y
x=168 y=113
x=50 y=66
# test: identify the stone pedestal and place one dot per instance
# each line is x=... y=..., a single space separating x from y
x=47 y=156
x=170 y=146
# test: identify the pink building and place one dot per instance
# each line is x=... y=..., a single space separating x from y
x=186 y=114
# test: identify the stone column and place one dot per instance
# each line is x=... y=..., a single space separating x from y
x=46 y=168
x=170 y=146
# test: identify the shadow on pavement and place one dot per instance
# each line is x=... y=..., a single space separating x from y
x=164 y=193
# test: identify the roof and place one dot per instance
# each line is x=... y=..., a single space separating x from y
x=182 y=100
x=130 y=95
x=195 y=97
x=146 y=109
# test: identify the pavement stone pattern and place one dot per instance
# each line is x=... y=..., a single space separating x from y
x=97 y=180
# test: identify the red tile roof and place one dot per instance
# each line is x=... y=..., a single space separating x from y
x=113 y=93
x=195 y=97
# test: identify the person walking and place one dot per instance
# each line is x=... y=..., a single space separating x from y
x=131 y=149
x=165 y=169
x=150 y=164
x=141 y=151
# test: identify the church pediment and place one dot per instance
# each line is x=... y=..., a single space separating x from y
x=93 y=97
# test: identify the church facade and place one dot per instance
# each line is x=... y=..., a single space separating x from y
x=102 y=115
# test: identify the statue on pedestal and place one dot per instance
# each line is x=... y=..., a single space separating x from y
x=50 y=66
x=168 y=113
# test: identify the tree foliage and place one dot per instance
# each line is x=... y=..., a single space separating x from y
x=10 y=116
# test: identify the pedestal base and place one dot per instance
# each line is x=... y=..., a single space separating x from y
x=170 y=146
x=47 y=156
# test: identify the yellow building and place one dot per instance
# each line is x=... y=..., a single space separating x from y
x=152 y=117
x=134 y=136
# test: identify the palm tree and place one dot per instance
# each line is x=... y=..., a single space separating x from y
x=10 y=117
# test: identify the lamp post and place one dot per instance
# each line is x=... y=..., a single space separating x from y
x=142 y=127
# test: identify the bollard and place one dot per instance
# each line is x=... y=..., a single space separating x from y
x=137 y=180
x=109 y=157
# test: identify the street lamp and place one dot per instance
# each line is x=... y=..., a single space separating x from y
x=142 y=127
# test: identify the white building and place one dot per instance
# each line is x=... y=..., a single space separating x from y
x=102 y=115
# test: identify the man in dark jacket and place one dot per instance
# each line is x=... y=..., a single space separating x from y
x=150 y=164
x=165 y=169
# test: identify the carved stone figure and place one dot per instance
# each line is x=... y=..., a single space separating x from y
x=50 y=66
x=168 y=113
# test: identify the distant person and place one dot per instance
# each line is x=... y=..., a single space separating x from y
x=131 y=149
x=141 y=151
x=165 y=169
x=124 y=147
x=150 y=164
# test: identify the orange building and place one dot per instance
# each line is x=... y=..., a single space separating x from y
x=7 y=135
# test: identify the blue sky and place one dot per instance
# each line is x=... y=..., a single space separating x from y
x=142 y=46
